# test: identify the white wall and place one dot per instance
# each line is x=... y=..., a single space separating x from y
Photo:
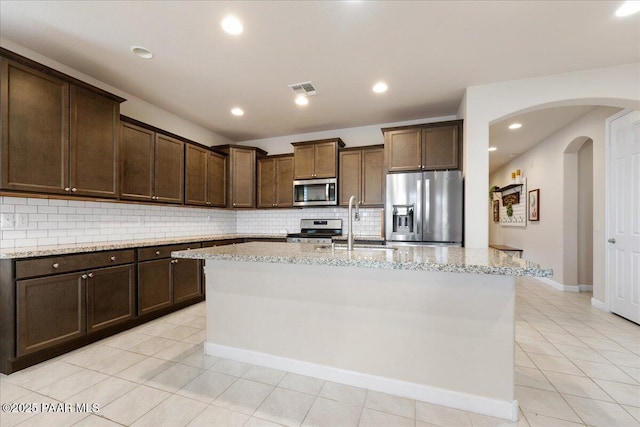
x=352 y=137
x=553 y=241
x=133 y=107
x=483 y=105
x=585 y=214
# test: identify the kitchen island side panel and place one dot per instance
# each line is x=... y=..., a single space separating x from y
x=446 y=330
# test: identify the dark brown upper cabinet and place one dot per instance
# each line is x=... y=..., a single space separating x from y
x=431 y=146
x=241 y=174
x=362 y=175
x=316 y=159
x=151 y=166
x=275 y=182
x=58 y=136
x=205 y=177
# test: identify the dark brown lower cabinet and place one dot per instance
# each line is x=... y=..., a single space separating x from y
x=187 y=279
x=111 y=296
x=50 y=311
x=155 y=288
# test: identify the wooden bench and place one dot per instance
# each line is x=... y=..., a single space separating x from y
x=509 y=250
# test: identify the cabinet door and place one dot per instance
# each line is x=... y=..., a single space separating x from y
x=440 y=148
x=35 y=130
x=50 y=311
x=217 y=180
x=196 y=161
x=403 y=149
x=187 y=279
x=304 y=163
x=350 y=176
x=169 y=169
x=243 y=172
x=93 y=155
x=155 y=288
x=136 y=162
x=373 y=177
x=284 y=181
x=266 y=183
x=110 y=296
x=326 y=160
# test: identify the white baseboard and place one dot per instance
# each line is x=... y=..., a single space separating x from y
x=507 y=409
x=565 y=288
x=598 y=304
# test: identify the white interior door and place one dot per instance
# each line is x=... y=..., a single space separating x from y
x=623 y=263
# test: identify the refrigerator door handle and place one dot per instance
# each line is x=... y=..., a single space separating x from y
x=427 y=205
x=418 y=214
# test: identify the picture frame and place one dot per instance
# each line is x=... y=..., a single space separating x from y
x=496 y=211
x=534 y=205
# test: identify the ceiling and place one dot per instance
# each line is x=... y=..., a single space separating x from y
x=428 y=53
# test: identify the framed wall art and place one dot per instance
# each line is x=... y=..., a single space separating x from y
x=496 y=211
x=534 y=205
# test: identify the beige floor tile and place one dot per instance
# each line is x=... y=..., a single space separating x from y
x=302 y=383
x=152 y=346
x=555 y=363
x=156 y=328
x=264 y=375
x=573 y=352
x=537 y=420
x=391 y=404
x=627 y=359
x=259 y=422
x=93 y=354
x=200 y=360
x=10 y=392
x=523 y=360
x=632 y=372
x=372 y=418
x=18 y=415
x=144 y=370
x=207 y=386
x=563 y=338
x=543 y=402
x=43 y=374
x=231 y=367
x=627 y=394
x=601 y=414
x=178 y=351
x=180 y=332
x=604 y=371
x=96 y=421
x=174 y=378
x=134 y=404
x=217 y=416
x=540 y=348
x=478 y=420
x=577 y=386
x=197 y=338
x=104 y=392
x=633 y=410
x=602 y=344
x=532 y=377
x=286 y=407
x=54 y=419
x=117 y=363
x=343 y=393
x=176 y=411
x=71 y=385
x=244 y=396
x=126 y=340
x=330 y=413
x=441 y=415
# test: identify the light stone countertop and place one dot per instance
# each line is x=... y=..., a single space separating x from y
x=423 y=258
x=38 y=251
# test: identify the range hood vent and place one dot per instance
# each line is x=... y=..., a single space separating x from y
x=304 y=88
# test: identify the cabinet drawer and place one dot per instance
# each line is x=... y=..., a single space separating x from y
x=159 y=252
x=66 y=263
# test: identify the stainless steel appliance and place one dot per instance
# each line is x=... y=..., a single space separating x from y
x=316 y=231
x=424 y=207
x=315 y=192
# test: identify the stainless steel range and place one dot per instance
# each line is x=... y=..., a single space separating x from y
x=316 y=231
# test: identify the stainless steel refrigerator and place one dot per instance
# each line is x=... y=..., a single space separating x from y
x=424 y=207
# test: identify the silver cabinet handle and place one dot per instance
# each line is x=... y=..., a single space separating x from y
x=74 y=189
x=174 y=261
x=612 y=240
x=84 y=276
x=55 y=265
x=112 y=258
x=67 y=189
x=157 y=252
x=90 y=274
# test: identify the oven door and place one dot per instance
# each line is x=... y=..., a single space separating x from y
x=315 y=192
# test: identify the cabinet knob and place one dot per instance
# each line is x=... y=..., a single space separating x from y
x=74 y=189
x=174 y=261
x=84 y=276
x=208 y=203
x=67 y=189
x=90 y=274
x=55 y=265
x=157 y=252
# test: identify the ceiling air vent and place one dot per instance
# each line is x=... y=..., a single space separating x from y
x=305 y=88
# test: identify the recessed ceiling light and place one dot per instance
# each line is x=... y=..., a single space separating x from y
x=380 y=87
x=515 y=126
x=232 y=25
x=237 y=111
x=628 y=8
x=493 y=148
x=302 y=100
x=142 y=52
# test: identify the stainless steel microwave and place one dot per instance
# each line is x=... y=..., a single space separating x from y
x=315 y=192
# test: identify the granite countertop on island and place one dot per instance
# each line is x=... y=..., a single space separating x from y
x=422 y=258
x=39 y=251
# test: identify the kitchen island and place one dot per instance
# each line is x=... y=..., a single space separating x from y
x=430 y=323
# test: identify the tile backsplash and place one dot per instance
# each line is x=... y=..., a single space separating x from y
x=43 y=222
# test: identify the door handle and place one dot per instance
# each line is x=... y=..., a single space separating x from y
x=612 y=240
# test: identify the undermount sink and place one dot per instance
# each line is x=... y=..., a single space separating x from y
x=358 y=247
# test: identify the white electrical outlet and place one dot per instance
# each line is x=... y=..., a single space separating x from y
x=7 y=221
